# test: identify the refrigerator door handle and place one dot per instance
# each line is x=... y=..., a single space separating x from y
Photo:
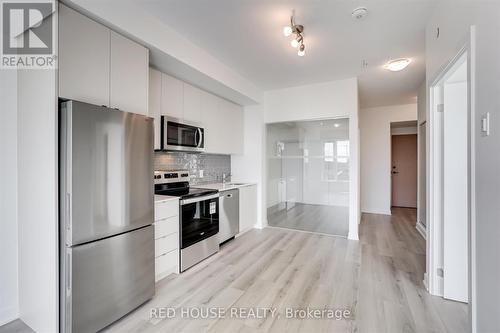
x=68 y=273
x=68 y=218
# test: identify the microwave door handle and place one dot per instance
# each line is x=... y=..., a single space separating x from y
x=200 y=137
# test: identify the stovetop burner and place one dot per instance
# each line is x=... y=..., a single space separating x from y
x=175 y=183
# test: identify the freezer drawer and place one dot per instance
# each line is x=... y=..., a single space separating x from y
x=106 y=279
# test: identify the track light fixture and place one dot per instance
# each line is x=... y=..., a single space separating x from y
x=296 y=31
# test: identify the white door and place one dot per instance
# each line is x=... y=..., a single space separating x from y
x=455 y=185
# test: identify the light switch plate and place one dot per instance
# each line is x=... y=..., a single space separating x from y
x=485 y=124
x=201 y=173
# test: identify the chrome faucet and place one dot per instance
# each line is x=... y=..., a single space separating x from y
x=224 y=176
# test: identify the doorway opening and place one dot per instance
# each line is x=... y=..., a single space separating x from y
x=308 y=176
x=404 y=164
x=449 y=182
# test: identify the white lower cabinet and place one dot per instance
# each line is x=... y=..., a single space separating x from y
x=166 y=263
x=166 y=238
x=248 y=207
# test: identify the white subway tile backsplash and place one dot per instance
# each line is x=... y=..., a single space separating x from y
x=213 y=165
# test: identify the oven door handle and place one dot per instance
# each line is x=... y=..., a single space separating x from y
x=198 y=199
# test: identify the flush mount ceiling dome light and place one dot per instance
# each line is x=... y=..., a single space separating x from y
x=296 y=31
x=397 y=65
x=359 y=13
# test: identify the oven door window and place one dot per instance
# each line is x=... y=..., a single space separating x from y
x=184 y=135
x=200 y=220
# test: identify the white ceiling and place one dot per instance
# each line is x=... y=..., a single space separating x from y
x=247 y=36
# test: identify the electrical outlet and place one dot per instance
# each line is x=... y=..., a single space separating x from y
x=201 y=173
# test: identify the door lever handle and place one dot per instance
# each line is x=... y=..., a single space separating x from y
x=395 y=172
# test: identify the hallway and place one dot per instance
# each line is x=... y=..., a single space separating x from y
x=391 y=275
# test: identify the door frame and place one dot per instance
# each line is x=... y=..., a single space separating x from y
x=433 y=278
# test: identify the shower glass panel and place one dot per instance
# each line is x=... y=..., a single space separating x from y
x=308 y=175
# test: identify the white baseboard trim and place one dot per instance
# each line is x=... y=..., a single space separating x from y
x=376 y=211
x=421 y=229
x=426 y=282
x=245 y=231
x=440 y=286
x=352 y=236
x=8 y=314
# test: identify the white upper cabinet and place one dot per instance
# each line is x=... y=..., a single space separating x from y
x=172 y=96
x=212 y=123
x=221 y=119
x=129 y=75
x=99 y=66
x=83 y=58
x=231 y=119
x=192 y=103
x=154 y=105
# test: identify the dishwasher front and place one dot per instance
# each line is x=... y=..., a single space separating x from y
x=229 y=215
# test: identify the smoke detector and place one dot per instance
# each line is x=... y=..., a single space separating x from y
x=359 y=13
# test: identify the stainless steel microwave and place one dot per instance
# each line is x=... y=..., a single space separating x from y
x=180 y=135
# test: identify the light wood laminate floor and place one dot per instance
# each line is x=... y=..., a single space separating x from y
x=16 y=326
x=332 y=220
x=378 y=278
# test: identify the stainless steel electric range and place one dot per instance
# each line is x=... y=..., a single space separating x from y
x=198 y=216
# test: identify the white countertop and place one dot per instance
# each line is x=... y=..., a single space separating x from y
x=224 y=187
x=159 y=198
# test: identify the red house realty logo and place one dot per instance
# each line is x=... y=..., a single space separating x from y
x=28 y=34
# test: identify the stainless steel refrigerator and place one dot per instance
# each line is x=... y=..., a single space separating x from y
x=106 y=215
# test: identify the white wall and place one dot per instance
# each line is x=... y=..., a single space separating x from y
x=9 y=301
x=250 y=166
x=37 y=198
x=404 y=130
x=315 y=101
x=454 y=19
x=335 y=99
x=375 y=128
x=422 y=103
